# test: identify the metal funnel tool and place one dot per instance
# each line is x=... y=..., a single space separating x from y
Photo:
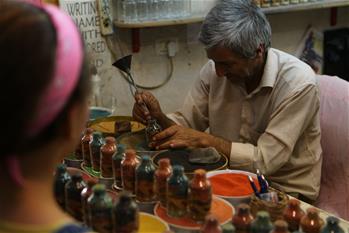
x=124 y=64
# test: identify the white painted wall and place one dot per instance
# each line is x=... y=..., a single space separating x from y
x=150 y=69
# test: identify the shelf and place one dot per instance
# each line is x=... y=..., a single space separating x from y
x=158 y=23
x=271 y=10
x=306 y=6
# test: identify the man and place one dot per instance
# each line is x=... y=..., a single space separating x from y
x=261 y=105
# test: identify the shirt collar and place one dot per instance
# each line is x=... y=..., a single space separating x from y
x=270 y=72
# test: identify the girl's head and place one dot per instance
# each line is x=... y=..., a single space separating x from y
x=44 y=80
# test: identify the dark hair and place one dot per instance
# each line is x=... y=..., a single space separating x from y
x=27 y=60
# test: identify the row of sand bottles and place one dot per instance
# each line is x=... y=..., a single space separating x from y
x=273 y=3
x=169 y=186
x=90 y=203
x=142 y=180
x=294 y=219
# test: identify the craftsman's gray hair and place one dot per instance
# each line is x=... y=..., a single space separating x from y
x=238 y=25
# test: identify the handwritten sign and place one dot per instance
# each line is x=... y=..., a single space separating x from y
x=85 y=15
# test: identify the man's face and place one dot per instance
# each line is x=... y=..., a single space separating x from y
x=233 y=66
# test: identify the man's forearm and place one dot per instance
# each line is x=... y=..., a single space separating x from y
x=223 y=146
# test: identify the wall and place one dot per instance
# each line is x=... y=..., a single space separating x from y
x=150 y=69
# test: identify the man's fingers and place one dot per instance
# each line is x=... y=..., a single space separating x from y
x=172 y=144
x=169 y=132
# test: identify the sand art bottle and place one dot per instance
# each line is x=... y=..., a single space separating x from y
x=161 y=175
x=85 y=194
x=311 y=222
x=199 y=196
x=177 y=192
x=73 y=191
x=211 y=225
x=243 y=218
x=95 y=146
x=85 y=143
x=145 y=180
x=100 y=207
x=107 y=152
x=293 y=214
x=128 y=171
x=126 y=215
x=61 y=178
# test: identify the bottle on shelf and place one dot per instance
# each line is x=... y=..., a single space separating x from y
x=129 y=11
x=142 y=10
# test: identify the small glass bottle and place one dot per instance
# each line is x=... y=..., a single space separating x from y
x=117 y=158
x=332 y=226
x=211 y=225
x=164 y=10
x=285 y=2
x=145 y=180
x=294 y=1
x=280 y=226
x=61 y=178
x=152 y=129
x=85 y=142
x=177 y=192
x=311 y=222
x=161 y=175
x=257 y=2
x=142 y=10
x=243 y=218
x=186 y=8
x=262 y=223
x=293 y=214
x=128 y=171
x=73 y=191
x=266 y=3
x=85 y=194
x=153 y=10
x=100 y=207
x=275 y=2
x=107 y=152
x=95 y=146
x=129 y=10
x=125 y=215
x=199 y=196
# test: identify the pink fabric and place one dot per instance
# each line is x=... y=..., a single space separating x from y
x=67 y=69
x=334 y=120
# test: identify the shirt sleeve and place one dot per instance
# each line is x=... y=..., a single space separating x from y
x=194 y=112
x=287 y=123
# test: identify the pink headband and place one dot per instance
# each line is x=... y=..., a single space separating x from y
x=68 y=61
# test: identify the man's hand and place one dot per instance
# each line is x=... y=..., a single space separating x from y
x=146 y=107
x=178 y=136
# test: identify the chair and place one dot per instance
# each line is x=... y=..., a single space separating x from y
x=334 y=122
